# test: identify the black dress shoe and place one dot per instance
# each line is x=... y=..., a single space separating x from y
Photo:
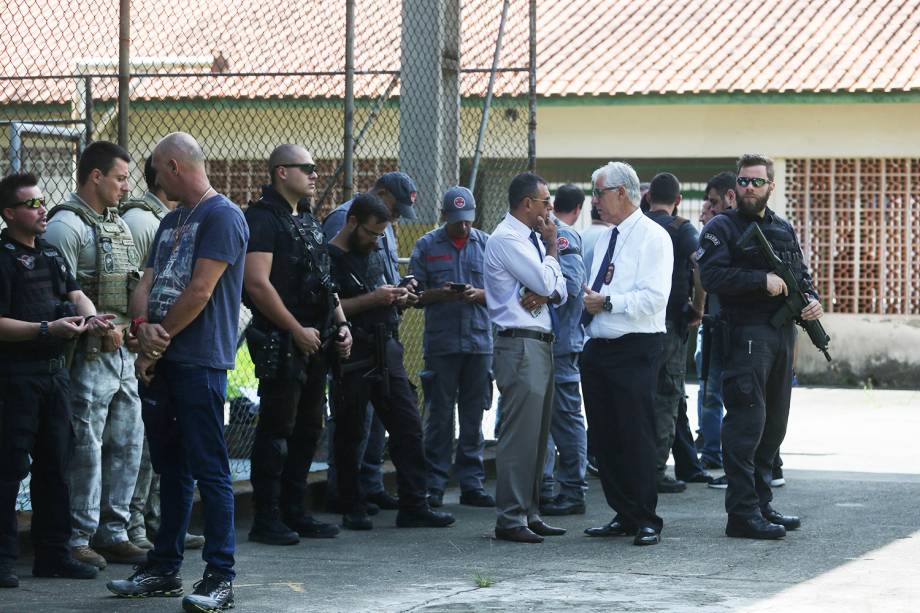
x=476 y=498
x=357 y=521
x=789 y=522
x=703 y=477
x=64 y=568
x=423 y=518
x=384 y=500
x=519 y=534
x=538 y=527
x=753 y=528
x=669 y=485
x=614 y=528
x=647 y=536
x=562 y=505
x=435 y=498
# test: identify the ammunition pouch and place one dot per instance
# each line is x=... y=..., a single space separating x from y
x=273 y=354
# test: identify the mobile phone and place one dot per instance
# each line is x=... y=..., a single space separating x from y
x=457 y=287
x=406 y=280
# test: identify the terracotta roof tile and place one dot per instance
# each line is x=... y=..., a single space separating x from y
x=585 y=47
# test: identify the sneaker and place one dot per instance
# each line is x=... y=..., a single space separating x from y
x=476 y=498
x=268 y=528
x=719 y=483
x=435 y=498
x=308 y=527
x=147 y=582
x=212 y=593
x=66 y=568
x=7 y=577
x=423 y=518
x=193 y=541
x=778 y=480
x=669 y=485
x=85 y=554
x=384 y=500
x=125 y=552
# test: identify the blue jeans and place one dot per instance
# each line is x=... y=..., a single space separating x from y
x=183 y=411
x=709 y=407
x=567 y=435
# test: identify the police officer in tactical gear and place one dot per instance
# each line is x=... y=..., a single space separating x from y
x=757 y=375
x=375 y=373
x=42 y=310
x=288 y=286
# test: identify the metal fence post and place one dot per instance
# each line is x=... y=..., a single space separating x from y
x=349 y=144
x=532 y=92
x=124 y=69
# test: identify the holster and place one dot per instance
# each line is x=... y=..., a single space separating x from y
x=273 y=354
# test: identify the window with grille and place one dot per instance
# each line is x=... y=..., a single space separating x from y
x=857 y=221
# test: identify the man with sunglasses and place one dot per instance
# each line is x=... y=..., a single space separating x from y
x=523 y=281
x=375 y=373
x=289 y=288
x=398 y=192
x=42 y=310
x=758 y=358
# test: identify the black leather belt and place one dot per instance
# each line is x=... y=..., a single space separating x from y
x=546 y=337
x=34 y=367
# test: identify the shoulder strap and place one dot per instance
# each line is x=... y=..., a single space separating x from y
x=78 y=211
x=143 y=205
x=676 y=223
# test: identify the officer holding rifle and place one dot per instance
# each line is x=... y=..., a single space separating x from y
x=751 y=259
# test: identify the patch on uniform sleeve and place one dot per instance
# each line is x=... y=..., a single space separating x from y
x=562 y=243
x=712 y=238
x=699 y=253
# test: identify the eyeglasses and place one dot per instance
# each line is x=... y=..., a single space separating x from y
x=372 y=233
x=307 y=169
x=545 y=201
x=755 y=181
x=597 y=193
x=32 y=203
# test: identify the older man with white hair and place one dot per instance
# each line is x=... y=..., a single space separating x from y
x=625 y=320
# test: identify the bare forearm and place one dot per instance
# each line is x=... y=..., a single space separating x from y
x=699 y=294
x=137 y=306
x=185 y=310
x=358 y=304
x=15 y=331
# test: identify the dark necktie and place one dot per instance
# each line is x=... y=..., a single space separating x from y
x=586 y=317
x=536 y=244
x=552 y=313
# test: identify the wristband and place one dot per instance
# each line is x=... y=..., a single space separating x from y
x=136 y=323
x=342 y=324
x=43 y=330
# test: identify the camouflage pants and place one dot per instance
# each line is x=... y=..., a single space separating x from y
x=108 y=437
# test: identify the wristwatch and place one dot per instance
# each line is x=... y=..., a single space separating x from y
x=608 y=306
x=43 y=331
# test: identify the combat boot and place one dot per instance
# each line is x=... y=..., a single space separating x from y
x=268 y=528
x=7 y=577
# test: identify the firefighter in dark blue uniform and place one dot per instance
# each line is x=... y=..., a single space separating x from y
x=757 y=375
x=41 y=310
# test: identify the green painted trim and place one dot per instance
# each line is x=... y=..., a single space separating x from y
x=736 y=98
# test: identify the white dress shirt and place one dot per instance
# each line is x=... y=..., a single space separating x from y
x=643 y=260
x=512 y=263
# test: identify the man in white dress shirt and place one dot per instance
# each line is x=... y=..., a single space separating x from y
x=523 y=282
x=625 y=320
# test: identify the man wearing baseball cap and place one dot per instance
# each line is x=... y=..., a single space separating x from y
x=398 y=191
x=448 y=265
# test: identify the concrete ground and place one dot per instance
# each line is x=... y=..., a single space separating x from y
x=853 y=475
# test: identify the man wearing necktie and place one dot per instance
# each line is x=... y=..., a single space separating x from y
x=625 y=322
x=522 y=277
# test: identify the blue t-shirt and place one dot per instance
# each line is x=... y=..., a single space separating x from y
x=216 y=230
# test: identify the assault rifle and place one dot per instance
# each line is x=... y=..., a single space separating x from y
x=796 y=300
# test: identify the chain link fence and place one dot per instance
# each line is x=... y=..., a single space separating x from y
x=368 y=86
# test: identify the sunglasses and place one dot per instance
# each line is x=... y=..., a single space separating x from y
x=32 y=203
x=307 y=169
x=597 y=193
x=756 y=181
